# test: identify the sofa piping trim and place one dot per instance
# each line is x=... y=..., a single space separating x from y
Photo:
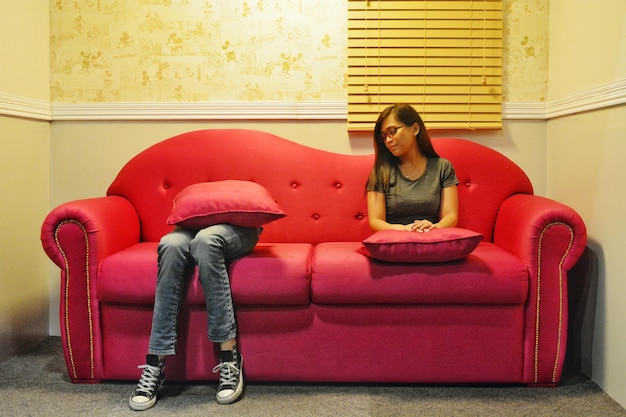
x=537 y=318
x=66 y=307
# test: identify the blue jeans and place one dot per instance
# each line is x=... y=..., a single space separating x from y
x=210 y=249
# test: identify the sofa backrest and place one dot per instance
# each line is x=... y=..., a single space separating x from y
x=486 y=179
x=321 y=192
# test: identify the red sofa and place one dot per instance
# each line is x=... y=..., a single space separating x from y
x=310 y=306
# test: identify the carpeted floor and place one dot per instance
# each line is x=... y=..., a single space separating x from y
x=36 y=384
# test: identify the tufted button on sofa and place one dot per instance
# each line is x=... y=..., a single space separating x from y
x=310 y=306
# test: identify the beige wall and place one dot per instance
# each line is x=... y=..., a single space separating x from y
x=24 y=177
x=85 y=157
x=586 y=154
x=25 y=69
x=24 y=269
x=586 y=45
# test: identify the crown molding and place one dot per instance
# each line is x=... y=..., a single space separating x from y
x=593 y=99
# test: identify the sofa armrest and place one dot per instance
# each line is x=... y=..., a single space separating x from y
x=76 y=236
x=550 y=238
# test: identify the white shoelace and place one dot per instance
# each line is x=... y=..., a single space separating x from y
x=228 y=373
x=149 y=379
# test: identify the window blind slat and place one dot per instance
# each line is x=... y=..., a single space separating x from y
x=429 y=4
x=433 y=62
x=420 y=43
x=415 y=31
x=398 y=71
x=430 y=24
x=405 y=78
x=432 y=52
x=431 y=15
x=426 y=91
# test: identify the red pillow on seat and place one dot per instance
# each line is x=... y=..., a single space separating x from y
x=242 y=203
x=437 y=245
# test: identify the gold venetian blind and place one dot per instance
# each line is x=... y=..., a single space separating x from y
x=443 y=57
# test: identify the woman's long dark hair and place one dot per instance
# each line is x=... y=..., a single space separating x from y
x=385 y=161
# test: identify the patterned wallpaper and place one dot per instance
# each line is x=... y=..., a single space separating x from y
x=525 y=50
x=107 y=51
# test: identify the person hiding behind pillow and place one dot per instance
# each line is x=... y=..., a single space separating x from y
x=209 y=249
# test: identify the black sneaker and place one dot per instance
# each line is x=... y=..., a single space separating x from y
x=230 y=386
x=151 y=379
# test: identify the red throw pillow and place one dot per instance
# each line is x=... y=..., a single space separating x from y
x=242 y=203
x=437 y=245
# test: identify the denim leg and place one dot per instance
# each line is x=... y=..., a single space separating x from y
x=211 y=249
x=175 y=264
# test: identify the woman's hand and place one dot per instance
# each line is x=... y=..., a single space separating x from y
x=420 y=226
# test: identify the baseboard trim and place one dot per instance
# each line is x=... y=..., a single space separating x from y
x=593 y=99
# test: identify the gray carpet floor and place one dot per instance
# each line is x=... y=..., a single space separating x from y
x=36 y=384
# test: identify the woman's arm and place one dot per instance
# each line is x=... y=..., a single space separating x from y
x=449 y=212
x=448 y=215
x=377 y=213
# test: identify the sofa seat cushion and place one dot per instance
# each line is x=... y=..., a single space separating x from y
x=273 y=274
x=342 y=274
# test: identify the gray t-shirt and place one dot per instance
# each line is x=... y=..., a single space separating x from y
x=410 y=200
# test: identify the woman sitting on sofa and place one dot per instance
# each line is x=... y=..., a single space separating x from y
x=410 y=187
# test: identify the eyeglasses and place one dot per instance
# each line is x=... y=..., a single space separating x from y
x=389 y=133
